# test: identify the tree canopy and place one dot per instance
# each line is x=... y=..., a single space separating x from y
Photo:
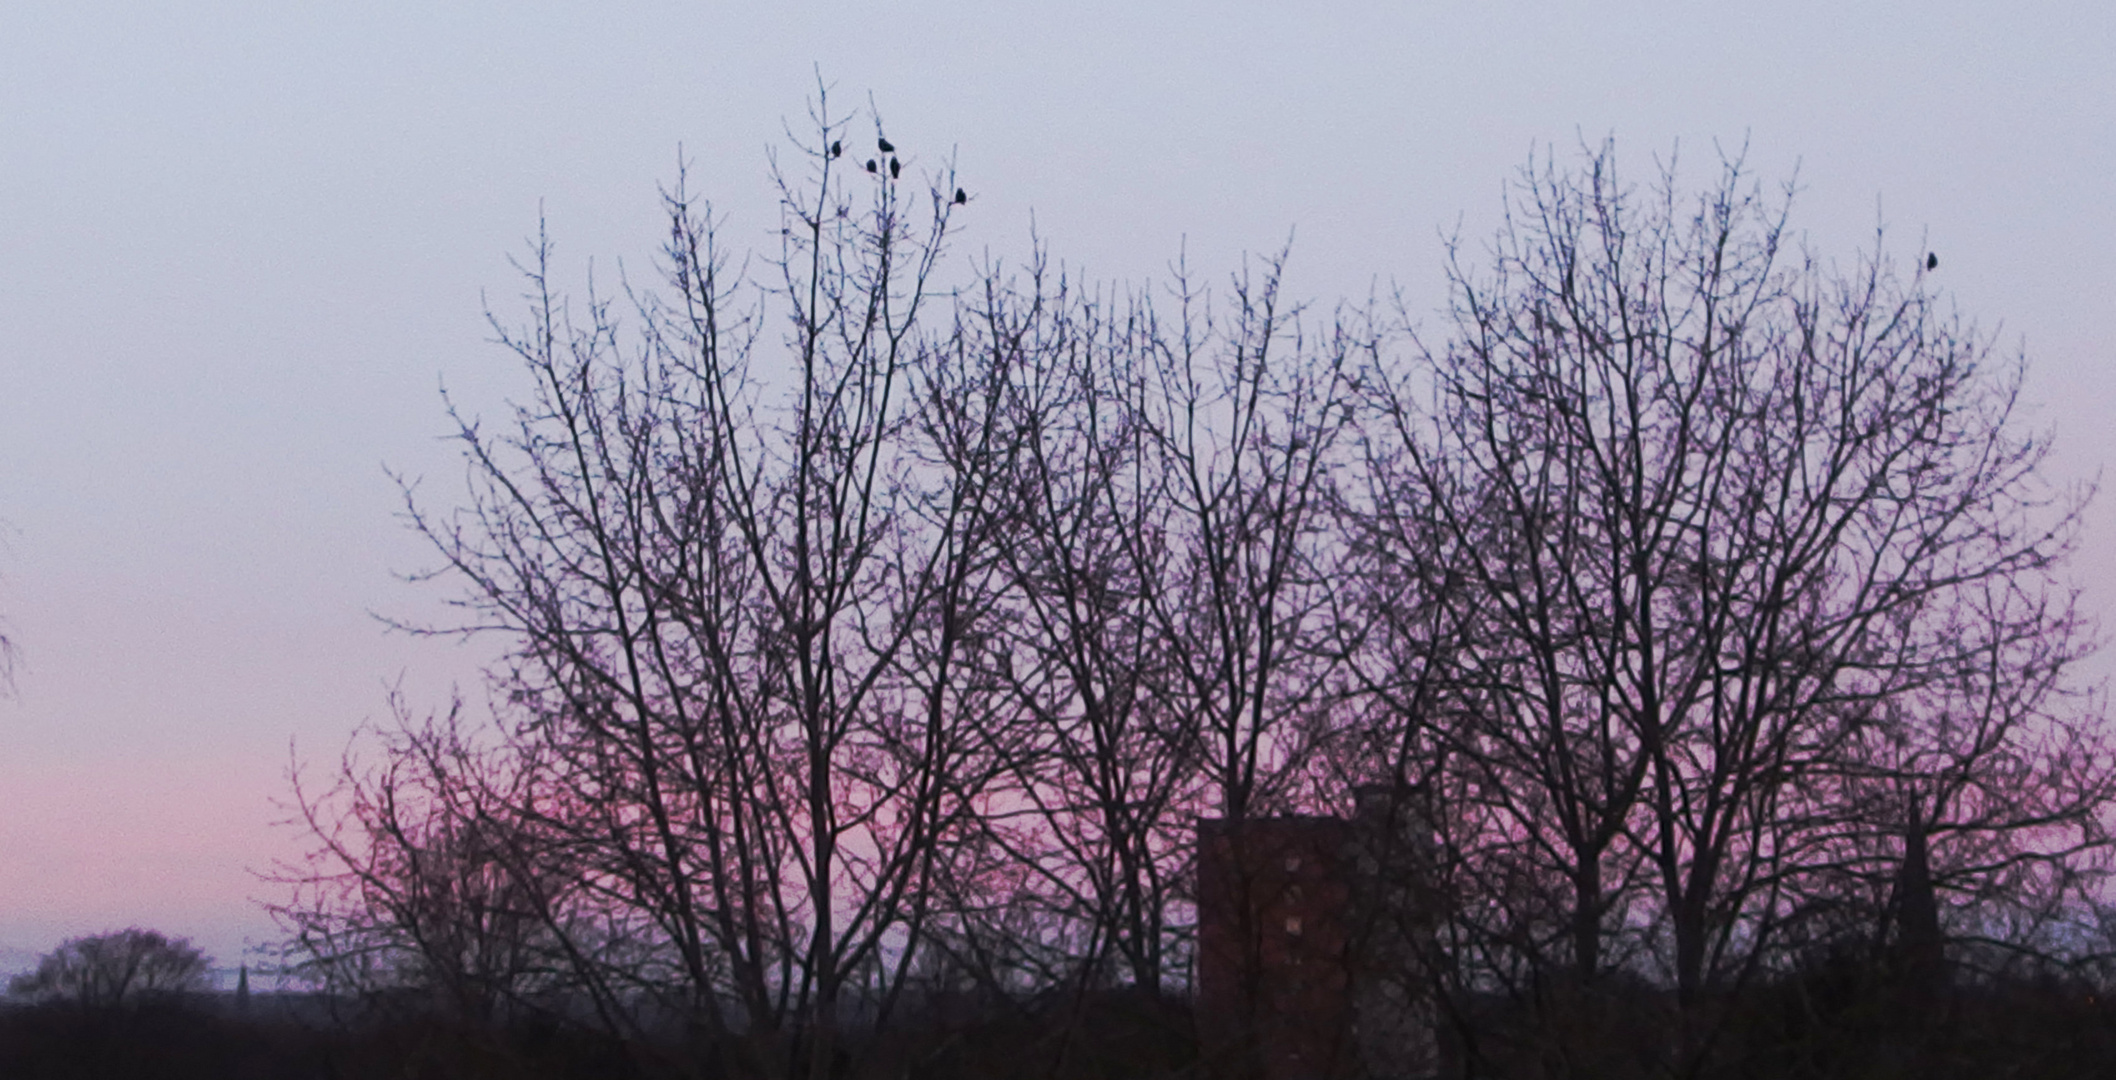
x=118 y=968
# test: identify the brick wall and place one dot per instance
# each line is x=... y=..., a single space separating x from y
x=1311 y=934
x=1274 y=987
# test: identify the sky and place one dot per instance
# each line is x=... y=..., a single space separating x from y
x=243 y=246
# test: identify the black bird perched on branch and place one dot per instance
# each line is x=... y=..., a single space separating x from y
x=887 y=146
x=960 y=198
x=895 y=167
x=836 y=147
x=870 y=164
x=1932 y=261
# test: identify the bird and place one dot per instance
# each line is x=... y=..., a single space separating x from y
x=1932 y=261
x=895 y=168
x=837 y=147
x=870 y=164
x=960 y=197
x=887 y=146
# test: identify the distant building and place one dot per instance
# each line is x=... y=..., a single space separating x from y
x=1309 y=966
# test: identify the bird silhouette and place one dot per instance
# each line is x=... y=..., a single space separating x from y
x=836 y=148
x=870 y=164
x=960 y=198
x=887 y=146
x=895 y=167
x=1932 y=261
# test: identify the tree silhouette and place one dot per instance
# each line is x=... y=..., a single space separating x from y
x=1746 y=582
x=119 y=968
x=872 y=638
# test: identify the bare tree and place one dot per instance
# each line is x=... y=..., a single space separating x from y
x=743 y=557
x=424 y=879
x=1098 y=758
x=1244 y=413
x=10 y=653
x=1691 y=599
x=1727 y=522
x=119 y=968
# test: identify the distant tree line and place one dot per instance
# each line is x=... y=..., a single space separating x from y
x=876 y=634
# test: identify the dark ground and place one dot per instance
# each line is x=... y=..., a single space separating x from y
x=1826 y=1024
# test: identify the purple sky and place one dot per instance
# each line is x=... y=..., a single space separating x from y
x=243 y=244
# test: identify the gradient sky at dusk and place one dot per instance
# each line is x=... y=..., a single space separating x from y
x=242 y=245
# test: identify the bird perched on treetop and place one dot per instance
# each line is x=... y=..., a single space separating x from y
x=870 y=164
x=887 y=146
x=960 y=198
x=895 y=168
x=836 y=148
x=1932 y=261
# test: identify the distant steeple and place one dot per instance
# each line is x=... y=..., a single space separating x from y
x=1922 y=946
x=242 y=988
